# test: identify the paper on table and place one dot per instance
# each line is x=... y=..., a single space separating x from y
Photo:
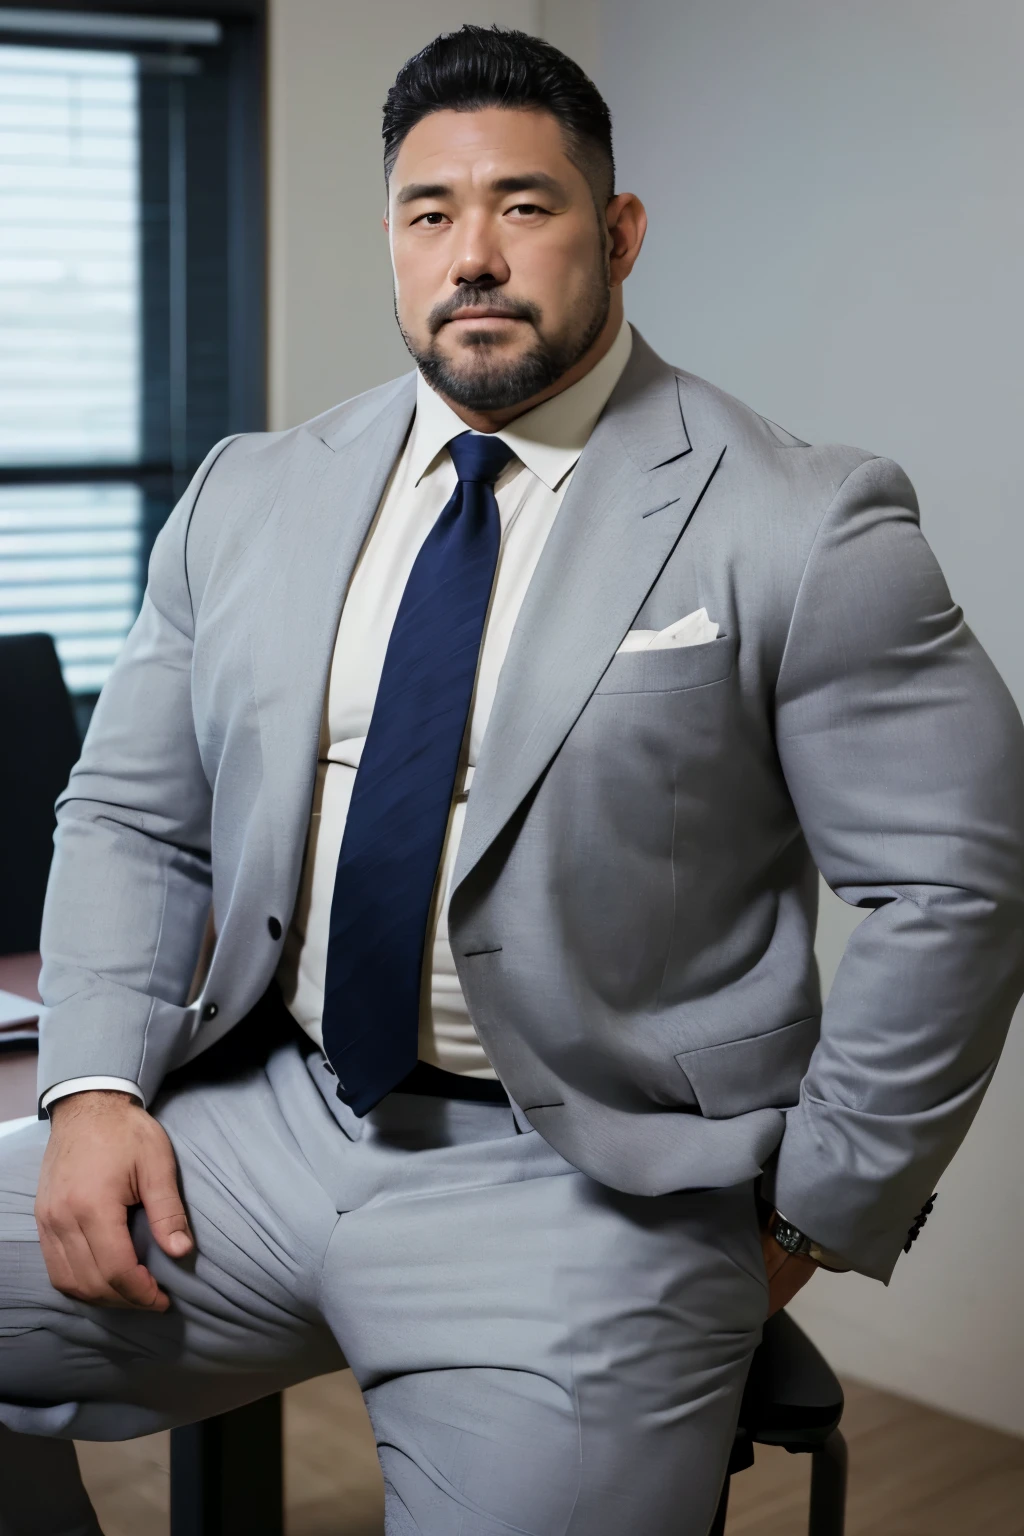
x=8 y=1127
x=17 y=1014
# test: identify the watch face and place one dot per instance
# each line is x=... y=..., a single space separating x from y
x=790 y=1238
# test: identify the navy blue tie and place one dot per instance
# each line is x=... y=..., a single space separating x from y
x=401 y=799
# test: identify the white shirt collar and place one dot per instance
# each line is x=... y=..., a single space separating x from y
x=548 y=439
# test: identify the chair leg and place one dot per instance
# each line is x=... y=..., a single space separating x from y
x=226 y=1473
x=718 y=1526
x=828 y=1488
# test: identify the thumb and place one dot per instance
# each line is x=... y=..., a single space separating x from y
x=158 y=1191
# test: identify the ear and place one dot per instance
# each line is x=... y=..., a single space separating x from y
x=626 y=218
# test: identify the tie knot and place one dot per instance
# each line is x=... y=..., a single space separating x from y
x=477 y=457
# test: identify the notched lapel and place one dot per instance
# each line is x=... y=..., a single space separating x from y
x=635 y=489
x=338 y=485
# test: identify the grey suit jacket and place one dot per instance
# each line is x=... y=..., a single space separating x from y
x=633 y=907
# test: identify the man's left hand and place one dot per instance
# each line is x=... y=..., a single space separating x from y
x=787 y=1272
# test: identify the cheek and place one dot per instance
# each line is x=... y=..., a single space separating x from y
x=555 y=271
x=419 y=281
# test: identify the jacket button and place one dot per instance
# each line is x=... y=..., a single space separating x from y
x=210 y=1011
x=274 y=928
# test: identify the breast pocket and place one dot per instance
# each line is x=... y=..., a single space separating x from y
x=672 y=669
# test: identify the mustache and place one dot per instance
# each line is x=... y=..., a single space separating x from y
x=470 y=296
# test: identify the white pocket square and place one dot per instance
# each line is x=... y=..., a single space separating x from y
x=695 y=629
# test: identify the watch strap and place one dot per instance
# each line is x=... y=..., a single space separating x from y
x=797 y=1243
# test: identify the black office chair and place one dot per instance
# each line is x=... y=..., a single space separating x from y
x=41 y=746
x=793 y=1399
x=226 y=1473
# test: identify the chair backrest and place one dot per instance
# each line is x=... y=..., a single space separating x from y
x=40 y=746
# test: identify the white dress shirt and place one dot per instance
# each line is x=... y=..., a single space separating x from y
x=547 y=442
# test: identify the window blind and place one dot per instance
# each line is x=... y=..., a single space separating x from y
x=70 y=347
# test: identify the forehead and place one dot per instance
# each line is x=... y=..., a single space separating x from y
x=477 y=146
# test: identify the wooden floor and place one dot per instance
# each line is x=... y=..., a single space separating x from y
x=913 y=1472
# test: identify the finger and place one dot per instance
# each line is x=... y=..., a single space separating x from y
x=775 y=1255
x=83 y=1281
x=778 y=1289
x=58 y=1267
x=790 y=1278
x=158 y=1191
x=116 y=1262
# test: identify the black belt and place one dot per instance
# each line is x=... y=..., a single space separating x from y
x=435 y=1083
x=271 y=1021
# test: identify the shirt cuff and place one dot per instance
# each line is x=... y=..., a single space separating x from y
x=85 y=1084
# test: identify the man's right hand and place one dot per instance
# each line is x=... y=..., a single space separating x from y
x=105 y=1155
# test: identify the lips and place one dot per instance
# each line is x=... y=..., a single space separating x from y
x=483 y=314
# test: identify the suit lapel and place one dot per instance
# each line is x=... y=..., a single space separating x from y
x=633 y=492
x=333 y=489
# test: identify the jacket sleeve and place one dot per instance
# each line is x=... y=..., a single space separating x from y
x=129 y=887
x=904 y=756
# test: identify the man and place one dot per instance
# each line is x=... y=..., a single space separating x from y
x=497 y=722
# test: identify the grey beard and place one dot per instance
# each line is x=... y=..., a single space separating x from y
x=503 y=385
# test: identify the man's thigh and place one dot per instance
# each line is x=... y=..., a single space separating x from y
x=243 y=1319
x=540 y=1354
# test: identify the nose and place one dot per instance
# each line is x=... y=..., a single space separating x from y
x=479 y=259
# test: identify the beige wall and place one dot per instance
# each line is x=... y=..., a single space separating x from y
x=332 y=328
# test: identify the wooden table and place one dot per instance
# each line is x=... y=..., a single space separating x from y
x=19 y=974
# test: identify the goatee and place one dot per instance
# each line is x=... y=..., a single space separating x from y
x=497 y=385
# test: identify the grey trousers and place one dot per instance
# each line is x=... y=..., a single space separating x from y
x=538 y=1354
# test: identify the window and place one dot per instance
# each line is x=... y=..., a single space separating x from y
x=70 y=348
x=130 y=336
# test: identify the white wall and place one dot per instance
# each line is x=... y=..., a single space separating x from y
x=837 y=236
x=332 y=328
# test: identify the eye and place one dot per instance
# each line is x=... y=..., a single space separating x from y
x=432 y=220
x=526 y=209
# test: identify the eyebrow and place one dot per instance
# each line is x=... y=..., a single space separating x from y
x=418 y=189
x=532 y=181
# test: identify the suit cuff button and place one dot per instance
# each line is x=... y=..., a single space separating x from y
x=210 y=1011
x=274 y=928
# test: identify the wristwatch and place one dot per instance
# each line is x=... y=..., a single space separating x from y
x=796 y=1242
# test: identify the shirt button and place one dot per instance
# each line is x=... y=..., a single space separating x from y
x=274 y=928
x=210 y=1011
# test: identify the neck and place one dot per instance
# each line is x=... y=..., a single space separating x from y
x=493 y=421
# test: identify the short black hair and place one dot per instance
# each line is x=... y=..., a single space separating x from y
x=498 y=67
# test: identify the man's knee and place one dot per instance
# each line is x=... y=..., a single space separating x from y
x=476 y=1452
